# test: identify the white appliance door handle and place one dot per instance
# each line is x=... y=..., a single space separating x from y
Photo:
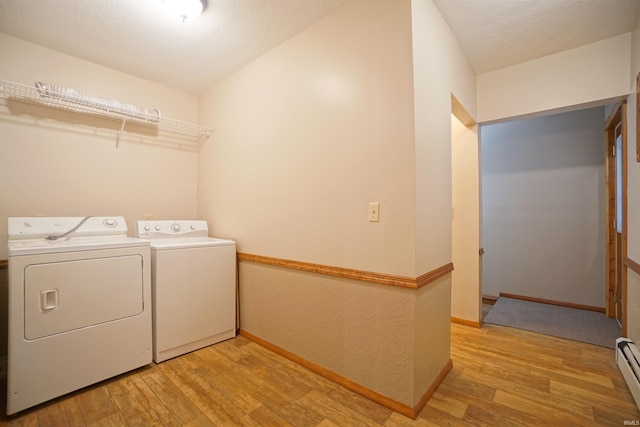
x=48 y=300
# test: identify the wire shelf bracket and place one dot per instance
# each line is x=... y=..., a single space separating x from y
x=149 y=124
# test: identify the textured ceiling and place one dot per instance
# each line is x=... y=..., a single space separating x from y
x=497 y=33
x=138 y=36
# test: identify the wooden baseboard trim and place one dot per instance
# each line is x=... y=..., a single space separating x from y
x=352 y=385
x=347 y=273
x=432 y=389
x=466 y=322
x=489 y=299
x=631 y=264
x=553 y=302
x=4 y=263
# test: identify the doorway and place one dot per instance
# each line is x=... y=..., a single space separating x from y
x=543 y=208
x=466 y=279
x=616 y=179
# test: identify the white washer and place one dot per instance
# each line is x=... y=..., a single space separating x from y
x=79 y=305
x=193 y=282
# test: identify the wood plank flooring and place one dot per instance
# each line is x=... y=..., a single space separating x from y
x=501 y=377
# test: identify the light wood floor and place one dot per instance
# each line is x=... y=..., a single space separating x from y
x=501 y=377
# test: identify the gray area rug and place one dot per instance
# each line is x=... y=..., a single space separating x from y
x=564 y=322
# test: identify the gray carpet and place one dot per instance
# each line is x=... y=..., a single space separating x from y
x=564 y=322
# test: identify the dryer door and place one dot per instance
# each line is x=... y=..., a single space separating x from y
x=69 y=295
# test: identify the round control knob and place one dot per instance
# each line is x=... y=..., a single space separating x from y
x=147 y=228
x=175 y=227
x=193 y=227
x=157 y=227
x=110 y=223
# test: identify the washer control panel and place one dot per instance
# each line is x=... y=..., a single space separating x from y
x=163 y=229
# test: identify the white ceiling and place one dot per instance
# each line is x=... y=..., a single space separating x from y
x=497 y=33
x=138 y=37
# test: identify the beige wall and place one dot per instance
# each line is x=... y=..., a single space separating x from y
x=588 y=74
x=305 y=137
x=633 y=196
x=310 y=133
x=431 y=333
x=465 y=279
x=440 y=70
x=56 y=168
x=331 y=322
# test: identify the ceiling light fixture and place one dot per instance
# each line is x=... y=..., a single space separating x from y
x=186 y=10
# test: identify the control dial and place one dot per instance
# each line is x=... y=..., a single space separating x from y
x=175 y=227
x=109 y=222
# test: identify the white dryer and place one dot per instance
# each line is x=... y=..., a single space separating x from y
x=79 y=305
x=193 y=282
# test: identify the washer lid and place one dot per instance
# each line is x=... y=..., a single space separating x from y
x=188 y=242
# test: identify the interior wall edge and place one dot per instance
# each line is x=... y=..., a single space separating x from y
x=458 y=110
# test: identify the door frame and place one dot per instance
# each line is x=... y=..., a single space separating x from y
x=618 y=115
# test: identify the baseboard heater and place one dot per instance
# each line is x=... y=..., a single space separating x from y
x=628 y=357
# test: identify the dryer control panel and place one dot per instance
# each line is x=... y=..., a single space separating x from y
x=44 y=227
x=153 y=229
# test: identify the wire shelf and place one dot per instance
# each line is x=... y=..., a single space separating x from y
x=70 y=100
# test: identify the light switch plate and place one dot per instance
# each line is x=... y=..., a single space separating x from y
x=374 y=212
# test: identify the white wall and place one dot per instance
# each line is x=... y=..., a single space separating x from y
x=588 y=74
x=305 y=137
x=633 y=195
x=56 y=168
x=440 y=70
x=543 y=190
x=465 y=279
x=310 y=133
